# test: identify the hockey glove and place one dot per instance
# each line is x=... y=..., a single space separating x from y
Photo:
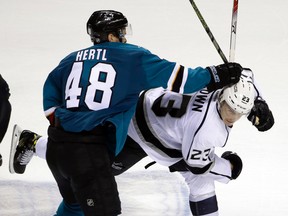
x=235 y=161
x=224 y=74
x=261 y=116
x=0 y=160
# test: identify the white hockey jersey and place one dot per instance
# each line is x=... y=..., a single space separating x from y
x=171 y=127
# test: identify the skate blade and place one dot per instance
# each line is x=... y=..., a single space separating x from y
x=14 y=142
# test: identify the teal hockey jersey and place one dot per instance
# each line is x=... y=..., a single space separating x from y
x=102 y=83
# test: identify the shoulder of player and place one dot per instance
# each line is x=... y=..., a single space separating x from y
x=131 y=47
x=124 y=46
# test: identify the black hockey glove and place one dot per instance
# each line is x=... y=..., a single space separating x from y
x=224 y=74
x=0 y=160
x=261 y=116
x=4 y=89
x=236 y=162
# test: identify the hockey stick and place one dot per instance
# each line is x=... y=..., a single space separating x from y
x=212 y=38
x=233 y=31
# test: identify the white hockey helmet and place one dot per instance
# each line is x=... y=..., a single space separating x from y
x=240 y=96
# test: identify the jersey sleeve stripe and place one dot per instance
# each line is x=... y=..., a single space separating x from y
x=214 y=173
x=177 y=79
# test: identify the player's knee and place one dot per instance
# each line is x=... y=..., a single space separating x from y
x=207 y=206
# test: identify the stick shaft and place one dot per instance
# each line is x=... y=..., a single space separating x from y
x=207 y=29
x=233 y=31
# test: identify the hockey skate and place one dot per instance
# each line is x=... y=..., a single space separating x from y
x=22 y=149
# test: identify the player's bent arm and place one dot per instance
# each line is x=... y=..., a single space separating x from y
x=218 y=169
x=203 y=161
x=221 y=171
x=200 y=160
x=226 y=168
x=178 y=78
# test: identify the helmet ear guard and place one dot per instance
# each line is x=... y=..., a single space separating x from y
x=240 y=96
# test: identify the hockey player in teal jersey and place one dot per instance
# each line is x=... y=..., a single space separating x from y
x=90 y=98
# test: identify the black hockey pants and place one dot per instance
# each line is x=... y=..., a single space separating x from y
x=80 y=164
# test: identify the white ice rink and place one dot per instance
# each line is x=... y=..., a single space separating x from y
x=36 y=34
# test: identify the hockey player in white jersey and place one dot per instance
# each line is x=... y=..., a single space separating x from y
x=182 y=132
